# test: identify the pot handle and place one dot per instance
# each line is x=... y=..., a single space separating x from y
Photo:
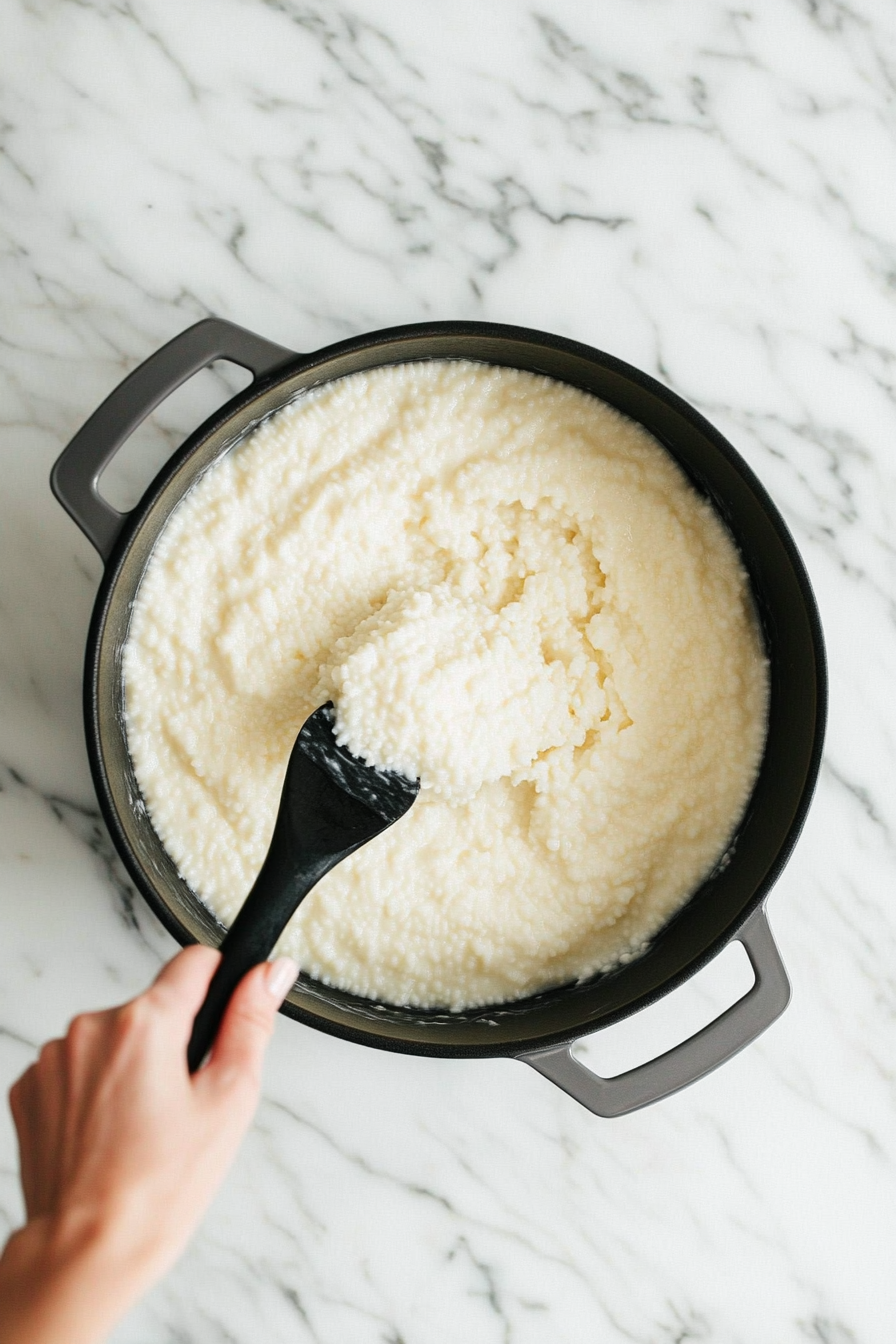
x=76 y=472
x=692 y=1059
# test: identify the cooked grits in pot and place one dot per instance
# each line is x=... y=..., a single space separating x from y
x=510 y=591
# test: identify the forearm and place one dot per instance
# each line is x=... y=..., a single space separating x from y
x=60 y=1285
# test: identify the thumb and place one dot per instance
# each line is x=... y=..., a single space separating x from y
x=180 y=987
x=248 y=1022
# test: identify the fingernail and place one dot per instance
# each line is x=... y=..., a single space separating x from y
x=280 y=978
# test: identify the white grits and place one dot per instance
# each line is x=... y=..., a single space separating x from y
x=510 y=591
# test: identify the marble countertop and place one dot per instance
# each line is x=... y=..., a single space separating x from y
x=706 y=191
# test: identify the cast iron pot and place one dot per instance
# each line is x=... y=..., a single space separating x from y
x=729 y=905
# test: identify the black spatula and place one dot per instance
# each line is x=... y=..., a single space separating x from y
x=332 y=803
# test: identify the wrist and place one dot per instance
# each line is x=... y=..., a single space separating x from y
x=59 y=1280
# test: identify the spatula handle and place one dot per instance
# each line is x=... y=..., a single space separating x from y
x=284 y=880
x=242 y=949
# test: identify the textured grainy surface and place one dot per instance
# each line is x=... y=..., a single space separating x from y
x=511 y=592
x=706 y=191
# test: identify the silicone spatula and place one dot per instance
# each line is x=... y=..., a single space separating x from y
x=332 y=804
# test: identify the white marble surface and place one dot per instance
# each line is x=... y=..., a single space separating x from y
x=708 y=191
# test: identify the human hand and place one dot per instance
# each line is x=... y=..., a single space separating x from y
x=122 y=1150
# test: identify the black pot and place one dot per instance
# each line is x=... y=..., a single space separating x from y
x=729 y=904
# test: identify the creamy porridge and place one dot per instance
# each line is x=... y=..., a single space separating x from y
x=510 y=591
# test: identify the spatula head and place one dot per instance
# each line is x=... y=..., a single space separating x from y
x=383 y=792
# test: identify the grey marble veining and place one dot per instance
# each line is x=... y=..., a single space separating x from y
x=705 y=190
